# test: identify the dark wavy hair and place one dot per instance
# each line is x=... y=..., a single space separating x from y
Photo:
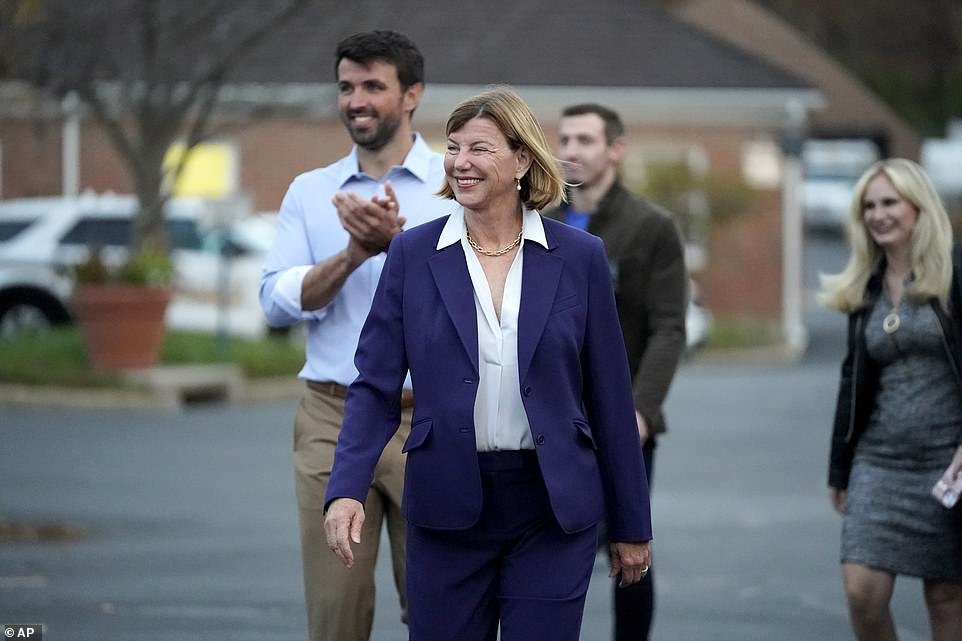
x=389 y=46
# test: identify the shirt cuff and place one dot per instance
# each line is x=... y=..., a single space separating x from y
x=287 y=293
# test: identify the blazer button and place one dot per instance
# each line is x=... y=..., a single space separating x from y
x=527 y=390
x=540 y=440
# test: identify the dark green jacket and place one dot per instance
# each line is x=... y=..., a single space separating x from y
x=650 y=281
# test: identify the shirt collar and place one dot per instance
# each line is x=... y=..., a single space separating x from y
x=454 y=229
x=417 y=163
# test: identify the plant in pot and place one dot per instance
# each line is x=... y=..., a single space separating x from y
x=120 y=308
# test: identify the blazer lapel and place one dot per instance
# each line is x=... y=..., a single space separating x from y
x=539 y=282
x=451 y=276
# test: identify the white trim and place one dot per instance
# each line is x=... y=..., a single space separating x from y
x=654 y=105
x=758 y=108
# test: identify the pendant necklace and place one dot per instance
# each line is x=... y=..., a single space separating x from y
x=892 y=320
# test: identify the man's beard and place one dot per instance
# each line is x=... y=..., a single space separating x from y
x=377 y=138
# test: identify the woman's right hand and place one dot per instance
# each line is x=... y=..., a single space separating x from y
x=342 y=526
x=955 y=467
x=839 y=499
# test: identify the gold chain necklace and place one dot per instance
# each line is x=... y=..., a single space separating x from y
x=497 y=252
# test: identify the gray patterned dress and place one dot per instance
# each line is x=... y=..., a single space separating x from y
x=893 y=523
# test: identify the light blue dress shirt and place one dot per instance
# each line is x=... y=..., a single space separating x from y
x=309 y=231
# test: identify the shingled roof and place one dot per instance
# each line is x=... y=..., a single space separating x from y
x=648 y=63
x=610 y=43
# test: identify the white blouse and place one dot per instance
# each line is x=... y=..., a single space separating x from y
x=500 y=422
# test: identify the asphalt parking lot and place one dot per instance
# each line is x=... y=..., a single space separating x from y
x=184 y=524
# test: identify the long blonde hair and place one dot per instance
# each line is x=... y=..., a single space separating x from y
x=931 y=248
x=543 y=185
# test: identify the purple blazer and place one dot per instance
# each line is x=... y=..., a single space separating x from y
x=575 y=385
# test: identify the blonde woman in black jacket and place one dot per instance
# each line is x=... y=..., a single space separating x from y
x=898 y=421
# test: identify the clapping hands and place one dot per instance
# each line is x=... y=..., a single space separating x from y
x=371 y=223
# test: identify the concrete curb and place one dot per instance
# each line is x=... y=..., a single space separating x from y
x=165 y=388
x=175 y=387
x=50 y=397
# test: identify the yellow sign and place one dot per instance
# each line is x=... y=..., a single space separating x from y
x=210 y=170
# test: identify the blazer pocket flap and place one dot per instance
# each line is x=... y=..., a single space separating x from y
x=585 y=432
x=418 y=436
x=565 y=302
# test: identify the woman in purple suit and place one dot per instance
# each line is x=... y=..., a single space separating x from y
x=523 y=436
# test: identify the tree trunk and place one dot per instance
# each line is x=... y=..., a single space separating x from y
x=149 y=229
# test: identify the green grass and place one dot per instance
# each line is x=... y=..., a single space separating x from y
x=264 y=358
x=743 y=333
x=58 y=357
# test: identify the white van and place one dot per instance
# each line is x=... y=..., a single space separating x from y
x=41 y=239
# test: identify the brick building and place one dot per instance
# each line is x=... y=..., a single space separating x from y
x=693 y=103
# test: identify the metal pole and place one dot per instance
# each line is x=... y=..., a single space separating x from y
x=223 y=295
x=70 y=153
x=793 y=312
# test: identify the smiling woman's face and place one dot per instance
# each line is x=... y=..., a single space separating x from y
x=887 y=215
x=481 y=168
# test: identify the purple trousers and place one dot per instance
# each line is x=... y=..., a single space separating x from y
x=515 y=567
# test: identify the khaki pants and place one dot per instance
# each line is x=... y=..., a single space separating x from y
x=340 y=602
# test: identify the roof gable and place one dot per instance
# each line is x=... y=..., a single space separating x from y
x=851 y=107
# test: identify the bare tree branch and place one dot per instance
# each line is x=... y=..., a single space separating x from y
x=154 y=80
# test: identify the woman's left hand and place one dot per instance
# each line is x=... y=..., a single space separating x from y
x=631 y=561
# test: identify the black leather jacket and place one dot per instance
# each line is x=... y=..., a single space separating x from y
x=859 y=380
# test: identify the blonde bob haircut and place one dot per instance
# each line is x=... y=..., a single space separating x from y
x=543 y=185
x=931 y=245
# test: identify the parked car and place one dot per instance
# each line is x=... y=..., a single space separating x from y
x=831 y=169
x=41 y=239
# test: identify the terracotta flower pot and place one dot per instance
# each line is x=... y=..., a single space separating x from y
x=122 y=325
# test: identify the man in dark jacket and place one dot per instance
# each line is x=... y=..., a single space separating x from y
x=648 y=273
